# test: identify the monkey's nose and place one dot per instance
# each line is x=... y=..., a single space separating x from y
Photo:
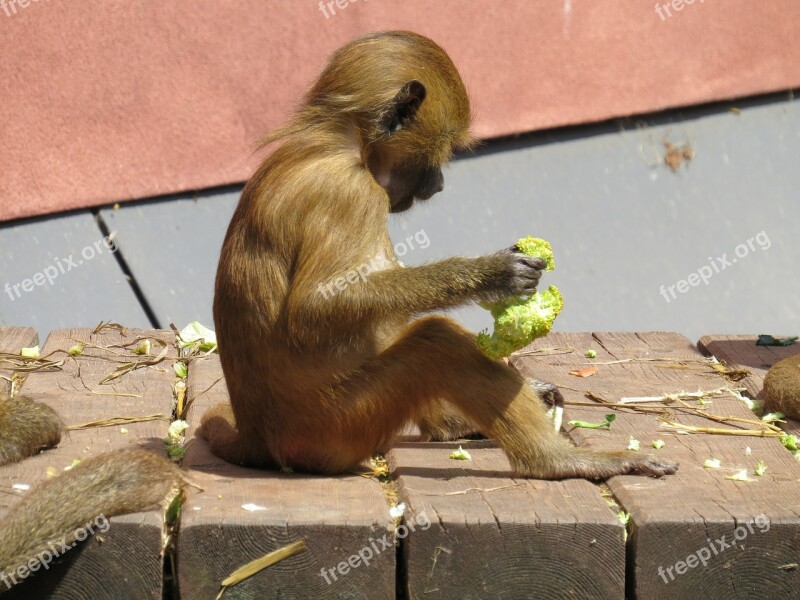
x=439 y=185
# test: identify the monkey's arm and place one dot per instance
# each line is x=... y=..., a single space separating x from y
x=450 y=282
x=340 y=280
x=338 y=304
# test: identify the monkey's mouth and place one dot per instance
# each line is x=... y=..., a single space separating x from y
x=425 y=192
x=402 y=205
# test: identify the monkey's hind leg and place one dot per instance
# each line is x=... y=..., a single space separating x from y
x=490 y=394
x=26 y=428
x=218 y=428
x=440 y=422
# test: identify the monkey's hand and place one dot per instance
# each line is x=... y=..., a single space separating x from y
x=520 y=319
x=513 y=274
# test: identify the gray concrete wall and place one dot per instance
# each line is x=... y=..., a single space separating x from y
x=621 y=222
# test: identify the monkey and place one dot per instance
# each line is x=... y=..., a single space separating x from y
x=108 y=484
x=782 y=387
x=26 y=427
x=319 y=382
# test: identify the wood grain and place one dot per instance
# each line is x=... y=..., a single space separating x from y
x=741 y=352
x=127 y=564
x=672 y=518
x=336 y=516
x=12 y=340
x=490 y=535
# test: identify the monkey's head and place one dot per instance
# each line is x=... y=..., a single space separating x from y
x=405 y=106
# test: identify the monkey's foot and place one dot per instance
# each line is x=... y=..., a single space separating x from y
x=552 y=397
x=548 y=392
x=589 y=464
x=652 y=466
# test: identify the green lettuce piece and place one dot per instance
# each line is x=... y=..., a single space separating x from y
x=521 y=319
x=197 y=333
x=538 y=247
x=587 y=425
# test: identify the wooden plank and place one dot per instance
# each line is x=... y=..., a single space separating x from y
x=189 y=229
x=674 y=517
x=60 y=274
x=337 y=517
x=480 y=533
x=12 y=340
x=741 y=352
x=128 y=562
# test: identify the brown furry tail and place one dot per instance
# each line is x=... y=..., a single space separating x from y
x=113 y=483
x=218 y=428
x=26 y=427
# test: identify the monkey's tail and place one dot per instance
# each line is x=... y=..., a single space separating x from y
x=59 y=509
x=26 y=427
x=218 y=428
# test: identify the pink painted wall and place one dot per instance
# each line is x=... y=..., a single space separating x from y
x=108 y=100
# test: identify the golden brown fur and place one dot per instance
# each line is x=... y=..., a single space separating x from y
x=782 y=387
x=113 y=483
x=26 y=427
x=109 y=484
x=321 y=381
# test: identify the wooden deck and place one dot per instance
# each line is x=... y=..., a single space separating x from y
x=471 y=530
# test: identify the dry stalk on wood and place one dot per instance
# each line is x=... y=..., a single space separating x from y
x=260 y=564
x=119 y=421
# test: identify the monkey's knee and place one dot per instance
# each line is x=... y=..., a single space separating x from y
x=438 y=329
x=26 y=428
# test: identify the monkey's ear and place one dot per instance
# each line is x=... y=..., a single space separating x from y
x=404 y=106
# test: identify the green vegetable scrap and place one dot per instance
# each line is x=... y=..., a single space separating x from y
x=196 y=333
x=790 y=442
x=586 y=425
x=76 y=350
x=180 y=369
x=32 y=352
x=460 y=454
x=521 y=319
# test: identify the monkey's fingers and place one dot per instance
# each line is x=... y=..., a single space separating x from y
x=548 y=392
x=531 y=262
